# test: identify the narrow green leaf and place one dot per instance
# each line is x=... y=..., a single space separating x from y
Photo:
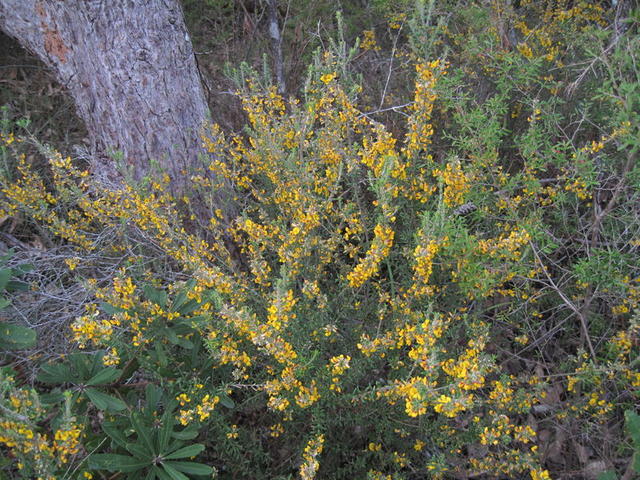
x=115 y=433
x=161 y=474
x=104 y=401
x=152 y=393
x=184 y=343
x=192 y=468
x=116 y=463
x=186 y=452
x=165 y=430
x=5 y=276
x=173 y=473
x=188 y=433
x=151 y=474
x=139 y=451
x=143 y=432
x=188 y=307
x=226 y=400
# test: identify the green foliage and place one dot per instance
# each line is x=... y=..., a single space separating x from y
x=12 y=336
x=154 y=447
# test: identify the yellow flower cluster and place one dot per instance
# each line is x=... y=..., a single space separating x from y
x=67 y=441
x=202 y=410
x=310 y=464
x=368 y=266
x=456 y=183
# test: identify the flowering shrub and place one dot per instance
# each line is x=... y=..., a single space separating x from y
x=442 y=300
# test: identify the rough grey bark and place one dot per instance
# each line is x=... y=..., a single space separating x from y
x=130 y=67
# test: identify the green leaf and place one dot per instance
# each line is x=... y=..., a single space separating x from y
x=17 y=286
x=51 y=398
x=165 y=430
x=139 y=451
x=104 y=401
x=161 y=356
x=55 y=373
x=173 y=473
x=226 y=400
x=188 y=433
x=181 y=298
x=152 y=394
x=186 y=452
x=608 y=475
x=151 y=474
x=16 y=337
x=192 y=468
x=172 y=336
x=116 y=463
x=159 y=297
x=104 y=376
x=110 y=309
x=4 y=303
x=5 y=276
x=115 y=433
x=143 y=432
x=186 y=344
x=188 y=307
x=161 y=474
x=632 y=420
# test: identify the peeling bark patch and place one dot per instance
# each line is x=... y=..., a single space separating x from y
x=53 y=44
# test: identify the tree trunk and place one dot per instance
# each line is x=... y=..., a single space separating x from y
x=130 y=67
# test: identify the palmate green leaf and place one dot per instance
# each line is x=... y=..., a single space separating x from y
x=104 y=401
x=116 y=463
x=191 y=468
x=186 y=452
x=104 y=376
x=173 y=473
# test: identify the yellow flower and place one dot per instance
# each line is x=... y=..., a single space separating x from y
x=328 y=78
